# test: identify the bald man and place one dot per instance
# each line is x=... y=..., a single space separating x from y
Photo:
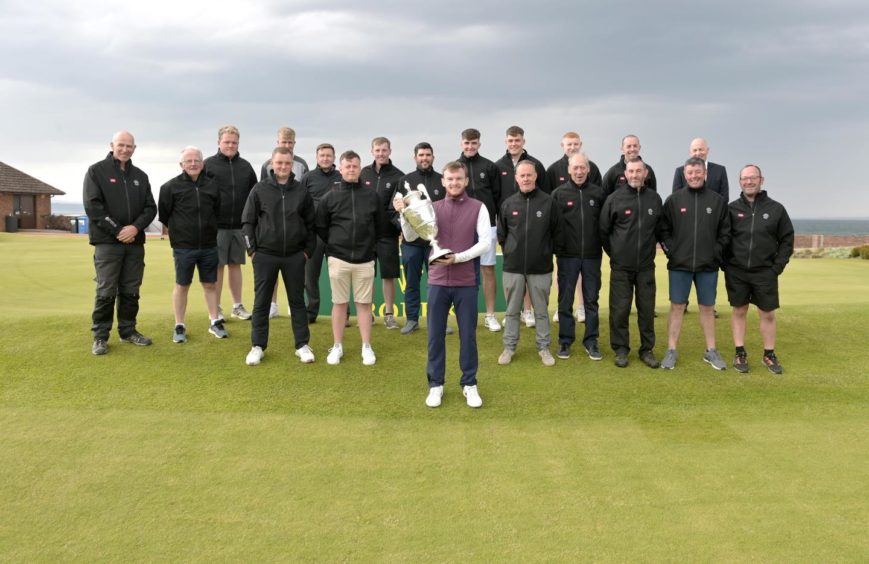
x=119 y=206
x=716 y=175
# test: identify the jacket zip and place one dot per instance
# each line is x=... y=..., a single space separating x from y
x=198 y=214
x=639 y=229
x=694 y=242
x=525 y=255
x=581 y=224
x=751 y=232
x=232 y=178
x=353 y=222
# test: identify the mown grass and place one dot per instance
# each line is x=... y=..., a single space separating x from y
x=183 y=453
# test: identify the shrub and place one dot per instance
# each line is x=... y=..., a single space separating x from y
x=58 y=222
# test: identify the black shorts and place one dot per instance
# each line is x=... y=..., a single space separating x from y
x=759 y=288
x=388 y=264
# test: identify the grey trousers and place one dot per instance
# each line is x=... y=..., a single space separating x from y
x=539 y=286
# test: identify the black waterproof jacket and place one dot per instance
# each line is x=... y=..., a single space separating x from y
x=695 y=230
x=384 y=184
x=580 y=208
x=278 y=219
x=484 y=183
x=761 y=234
x=114 y=198
x=189 y=209
x=349 y=219
x=235 y=178
x=528 y=226
x=318 y=182
x=630 y=228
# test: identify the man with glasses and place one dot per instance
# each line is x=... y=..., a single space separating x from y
x=761 y=244
x=188 y=206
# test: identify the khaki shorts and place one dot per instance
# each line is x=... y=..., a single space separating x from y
x=344 y=274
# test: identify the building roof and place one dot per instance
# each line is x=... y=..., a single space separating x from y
x=13 y=180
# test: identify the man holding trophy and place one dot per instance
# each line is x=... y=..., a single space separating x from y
x=452 y=225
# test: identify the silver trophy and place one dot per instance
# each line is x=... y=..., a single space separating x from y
x=420 y=215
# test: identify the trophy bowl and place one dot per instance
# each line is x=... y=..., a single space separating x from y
x=419 y=213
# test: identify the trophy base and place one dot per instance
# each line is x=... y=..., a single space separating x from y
x=437 y=253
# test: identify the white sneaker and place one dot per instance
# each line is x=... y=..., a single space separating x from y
x=273 y=310
x=305 y=354
x=579 y=314
x=473 y=397
x=490 y=322
x=335 y=354
x=368 y=357
x=435 y=395
x=254 y=357
x=528 y=318
x=555 y=317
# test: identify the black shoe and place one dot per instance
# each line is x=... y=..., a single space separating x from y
x=594 y=352
x=772 y=364
x=621 y=360
x=563 y=351
x=740 y=363
x=137 y=339
x=100 y=347
x=311 y=320
x=715 y=313
x=648 y=358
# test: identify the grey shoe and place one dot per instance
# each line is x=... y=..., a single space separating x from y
x=714 y=359
x=450 y=330
x=546 y=357
x=137 y=339
x=390 y=322
x=240 y=312
x=217 y=330
x=505 y=357
x=410 y=327
x=180 y=334
x=100 y=347
x=669 y=362
x=621 y=359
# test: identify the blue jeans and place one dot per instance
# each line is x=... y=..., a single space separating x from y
x=413 y=259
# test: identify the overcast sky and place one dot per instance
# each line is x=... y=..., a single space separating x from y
x=783 y=85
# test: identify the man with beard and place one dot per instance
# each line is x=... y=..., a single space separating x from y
x=630 y=230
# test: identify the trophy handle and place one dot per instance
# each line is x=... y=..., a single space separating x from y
x=421 y=188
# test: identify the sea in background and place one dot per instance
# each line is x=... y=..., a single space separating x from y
x=842 y=227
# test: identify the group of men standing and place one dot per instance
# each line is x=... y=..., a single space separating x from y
x=217 y=213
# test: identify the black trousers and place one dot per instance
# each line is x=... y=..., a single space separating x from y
x=624 y=287
x=119 y=268
x=312 y=279
x=265 y=276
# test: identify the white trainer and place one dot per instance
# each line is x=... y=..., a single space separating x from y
x=255 y=356
x=335 y=354
x=579 y=314
x=368 y=357
x=473 y=396
x=435 y=395
x=273 y=310
x=305 y=354
x=555 y=317
x=528 y=318
x=490 y=322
